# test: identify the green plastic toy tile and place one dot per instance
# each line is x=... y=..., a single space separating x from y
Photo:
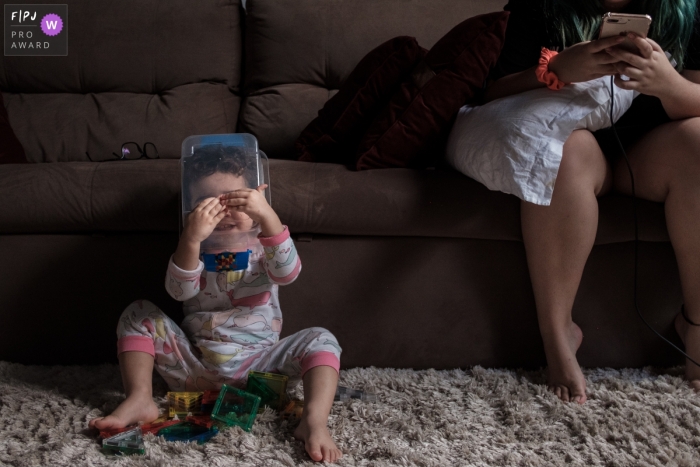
x=126 y=443
x=236 y=408
x=268 y=397
x=276 y=383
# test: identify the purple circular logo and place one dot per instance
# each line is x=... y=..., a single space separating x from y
x=51 y=24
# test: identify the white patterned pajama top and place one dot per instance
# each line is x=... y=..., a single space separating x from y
x=232 y=324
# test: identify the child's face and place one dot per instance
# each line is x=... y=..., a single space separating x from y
x=214 y=186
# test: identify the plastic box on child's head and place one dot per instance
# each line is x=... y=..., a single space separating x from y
x=212 y=165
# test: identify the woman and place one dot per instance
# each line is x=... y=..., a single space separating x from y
x=665 y=160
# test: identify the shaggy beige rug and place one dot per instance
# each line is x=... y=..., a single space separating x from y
x=426 y=418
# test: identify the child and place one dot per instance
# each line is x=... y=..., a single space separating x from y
x=232 y=318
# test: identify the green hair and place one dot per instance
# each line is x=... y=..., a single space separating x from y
x=575 y=21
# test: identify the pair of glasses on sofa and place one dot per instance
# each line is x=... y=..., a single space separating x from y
x=132 y=151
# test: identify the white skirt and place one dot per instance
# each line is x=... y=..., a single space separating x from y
x=515 y=144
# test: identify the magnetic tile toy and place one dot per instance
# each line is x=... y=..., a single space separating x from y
x=236 y=408
x=188 y=432
x=104 y=434
x=156 y=425
x=126 y=443
x=202 y=420
x=294 y=409
x=185 y=401
x=276 y=383
x=343 y=394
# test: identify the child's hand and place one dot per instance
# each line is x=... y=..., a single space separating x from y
x=203 y=219
x=253 y=203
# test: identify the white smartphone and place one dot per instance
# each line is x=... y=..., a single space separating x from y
x=619 y=24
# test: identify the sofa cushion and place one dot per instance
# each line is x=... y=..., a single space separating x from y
x=333 y=136
x=100 y=123
x=138 y=196
x=136 y=46
x=11 y=151
x=299 y=51
x=419 y=116
x=127 y=77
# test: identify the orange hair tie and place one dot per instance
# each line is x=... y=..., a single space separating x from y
x=544 y=75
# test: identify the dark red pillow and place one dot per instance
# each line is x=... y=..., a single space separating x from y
x=419 y=115
x=333 y=136
x=11 y=151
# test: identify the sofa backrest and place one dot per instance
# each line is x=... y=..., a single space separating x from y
x=298 y=52
x=136 y=70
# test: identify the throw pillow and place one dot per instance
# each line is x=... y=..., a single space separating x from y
x=11 y=151
x=333 y=136
x=419 y=115
x=514 y=144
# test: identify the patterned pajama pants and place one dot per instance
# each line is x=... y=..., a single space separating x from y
x=203 y=361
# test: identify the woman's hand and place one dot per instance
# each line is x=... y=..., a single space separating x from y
x=586 y=60
x=650 y=72
x=253 y=203
x=203 y=219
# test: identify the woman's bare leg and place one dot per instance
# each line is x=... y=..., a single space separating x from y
x=320 y=384
x=666 y=167
x=137 y=374
x=558 y=239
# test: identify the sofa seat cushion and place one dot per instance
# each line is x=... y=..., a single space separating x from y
x=76 y=197
x=143 y=195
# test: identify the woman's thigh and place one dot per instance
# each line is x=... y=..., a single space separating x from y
x=668 y=154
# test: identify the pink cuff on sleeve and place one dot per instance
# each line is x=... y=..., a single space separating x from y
x=136 y=344
x=320 y=359
x=181 y=274
x=276 y=240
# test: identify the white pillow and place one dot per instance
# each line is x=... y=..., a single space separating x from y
x=514 y=144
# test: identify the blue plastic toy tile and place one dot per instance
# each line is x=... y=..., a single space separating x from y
x=188 y=432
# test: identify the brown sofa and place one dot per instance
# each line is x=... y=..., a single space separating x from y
x=408 y=268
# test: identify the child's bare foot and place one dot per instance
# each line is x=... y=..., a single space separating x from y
x=565 y=378
x=136 y=408
x=317 y=440
x=690 y=335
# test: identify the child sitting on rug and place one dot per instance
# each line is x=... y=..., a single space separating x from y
x=232 y=317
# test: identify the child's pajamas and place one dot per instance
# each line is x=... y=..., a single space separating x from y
x=232 y=324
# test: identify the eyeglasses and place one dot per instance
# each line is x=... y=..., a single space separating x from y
x=132 y=151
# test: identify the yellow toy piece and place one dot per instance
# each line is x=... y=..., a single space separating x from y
x=185 y=401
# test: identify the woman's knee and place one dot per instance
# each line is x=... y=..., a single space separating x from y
x=583 y=164
x=685 y=146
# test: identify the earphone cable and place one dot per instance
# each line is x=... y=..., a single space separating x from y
x=636 y=224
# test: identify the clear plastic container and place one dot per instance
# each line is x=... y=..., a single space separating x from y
x=212 y=165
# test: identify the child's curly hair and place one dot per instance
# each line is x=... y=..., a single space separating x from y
x=213 y=158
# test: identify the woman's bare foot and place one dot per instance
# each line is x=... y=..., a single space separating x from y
x=564 y=376
x=317 y=440
x=136 y=408
x=690 y=335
